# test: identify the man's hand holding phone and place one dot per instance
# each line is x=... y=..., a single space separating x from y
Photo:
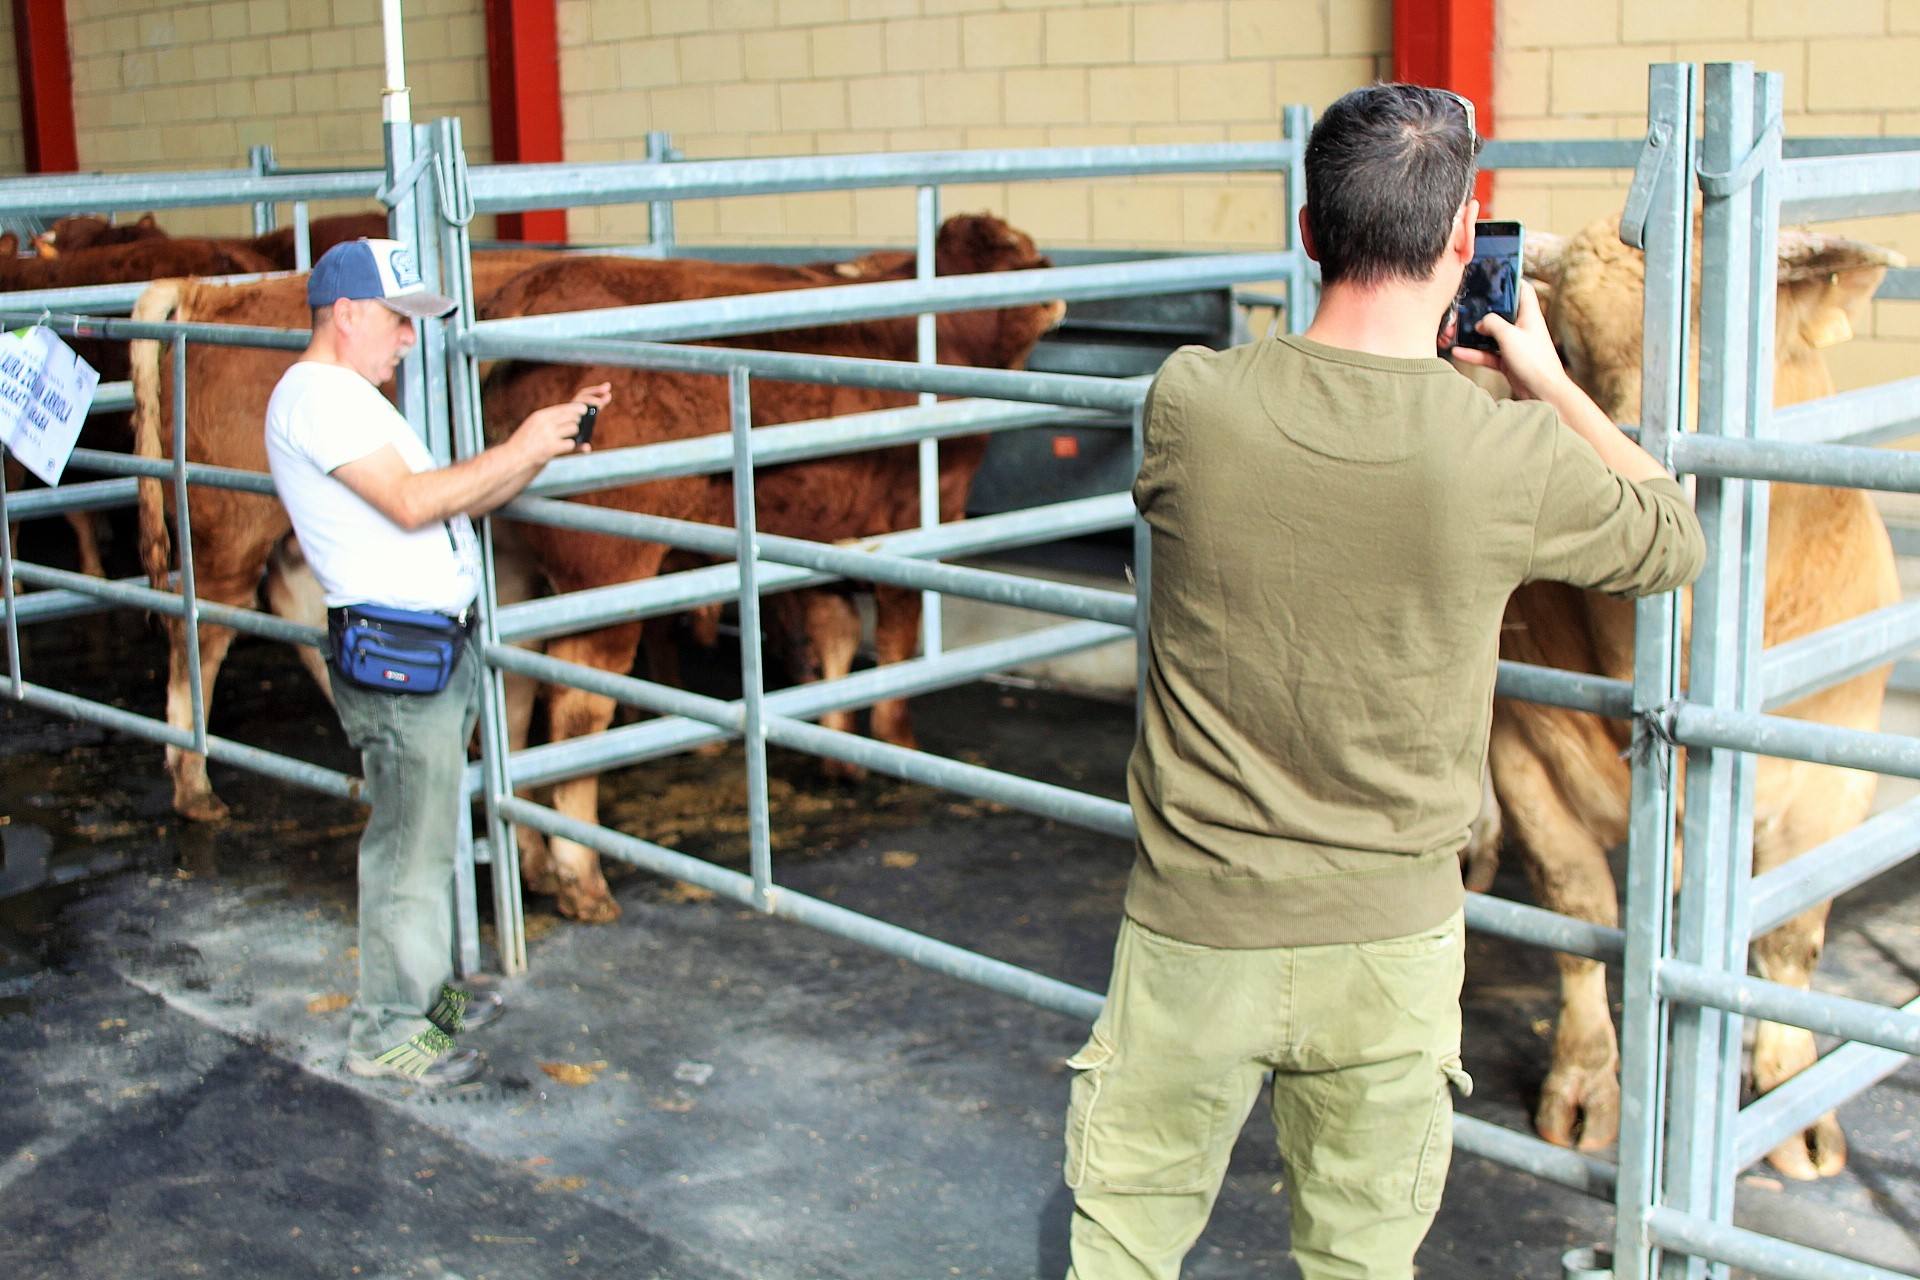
x=1525 y=354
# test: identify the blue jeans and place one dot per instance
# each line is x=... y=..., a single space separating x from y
x=413 y=750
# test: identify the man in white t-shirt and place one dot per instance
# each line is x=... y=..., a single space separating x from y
x=382 y=526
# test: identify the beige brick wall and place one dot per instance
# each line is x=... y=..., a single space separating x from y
x=1579 y=71
x=804 y=77
x=190 y=84
x=13 y=152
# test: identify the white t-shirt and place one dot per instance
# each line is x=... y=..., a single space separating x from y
x=324 y=416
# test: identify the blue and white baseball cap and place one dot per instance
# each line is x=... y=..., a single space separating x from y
x=381 y=270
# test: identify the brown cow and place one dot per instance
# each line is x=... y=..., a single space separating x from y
x=86 y=231
x=147 y=258
x=1560 y=775
x=846 y=497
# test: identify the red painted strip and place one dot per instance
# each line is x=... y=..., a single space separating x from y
x=523 y=80
x=46 y=85
x=1449 y=44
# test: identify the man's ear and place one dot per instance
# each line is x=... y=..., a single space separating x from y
x=1306 y=236
x=1462 y=245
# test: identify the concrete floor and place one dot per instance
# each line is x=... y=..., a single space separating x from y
x=761 y=1100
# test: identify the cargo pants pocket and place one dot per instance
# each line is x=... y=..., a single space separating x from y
x=1436 y=1151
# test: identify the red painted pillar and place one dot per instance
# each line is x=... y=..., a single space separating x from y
x=46 y=85
x=523 y=80
x=1449 y=44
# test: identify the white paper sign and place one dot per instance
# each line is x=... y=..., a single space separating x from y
x=45 y=392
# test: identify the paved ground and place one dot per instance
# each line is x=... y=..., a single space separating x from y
x=761 y=1101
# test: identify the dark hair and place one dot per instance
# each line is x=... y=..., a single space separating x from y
x=1387 y=169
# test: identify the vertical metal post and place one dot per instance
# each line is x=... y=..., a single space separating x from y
x=1301 y=299
x=752 y=669
x=260 y=158
x=660 y=212
x=396 y=114
x=1719 y=815
x=302 y=237
x=926 y=240
x=6 y=587
x=423 y=235
x=191 y=620
x=469 y=438
x=1671 y=90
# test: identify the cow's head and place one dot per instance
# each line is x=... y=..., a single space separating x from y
x=1594 y=286
x=976 y=242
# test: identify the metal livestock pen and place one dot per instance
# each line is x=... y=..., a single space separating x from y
x=1683 y=1136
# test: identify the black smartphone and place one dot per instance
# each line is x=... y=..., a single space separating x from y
x=1491 y=283
x=585 y=433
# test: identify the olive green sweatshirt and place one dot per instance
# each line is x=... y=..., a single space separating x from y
x=1335 y=536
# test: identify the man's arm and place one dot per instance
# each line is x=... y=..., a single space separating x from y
x=476 y=485
x=1533 y=368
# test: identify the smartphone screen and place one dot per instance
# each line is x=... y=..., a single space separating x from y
x=1491 y=283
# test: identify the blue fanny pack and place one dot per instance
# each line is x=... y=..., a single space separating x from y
x=395 y=650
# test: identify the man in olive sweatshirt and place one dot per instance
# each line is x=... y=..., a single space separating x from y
x=1337 y=519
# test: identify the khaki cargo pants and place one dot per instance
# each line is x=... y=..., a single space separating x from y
x=1363 y=1040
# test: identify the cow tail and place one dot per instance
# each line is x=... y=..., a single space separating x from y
x=159 y=302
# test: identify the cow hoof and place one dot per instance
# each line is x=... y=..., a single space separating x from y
x=200 y=806
x=589 y=910
x=1818 y=1152
x=843 y=771
x=1579 y=1108
x=544 y=881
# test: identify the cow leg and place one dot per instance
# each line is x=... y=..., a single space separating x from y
x=573 y=713
x=1567 y=865
x=293 y=593
x=86 y=538
x=193 y=796
x=896 y=637
x=828 y=640
x=1823 y=803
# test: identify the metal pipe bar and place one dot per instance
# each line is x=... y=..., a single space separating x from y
x=927 y=352
x=1061 y=390
x=753 y=679
x=1763 y=1255
x=1816 y=1011
x=91 y=299
x=1560 y=154
x=238 y=754
x=512 y=188
x=1900 y=283
x=1521 y=922
x=1693 y=725
x=112 y=397
x=600 y=606
x=1852 y=858
x=200 y=473
x=217 y=335
x=1533 y=1155
x=189 y=599
x=929 y=953
x=7 y=572
x=632 y=744
x=1793 y=462
x=1095 y=813
x=1821 y=189
x=1869 y=415
x=841 y=304
x=1838 y=1077
x=135 y=593
x=90 y=495
x=1791 y=671
x=1575 y=690
x=795 y=442
x=107 y=193
x=59 y=605
x=865 y=566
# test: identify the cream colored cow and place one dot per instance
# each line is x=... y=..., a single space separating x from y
x=1560 y=777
